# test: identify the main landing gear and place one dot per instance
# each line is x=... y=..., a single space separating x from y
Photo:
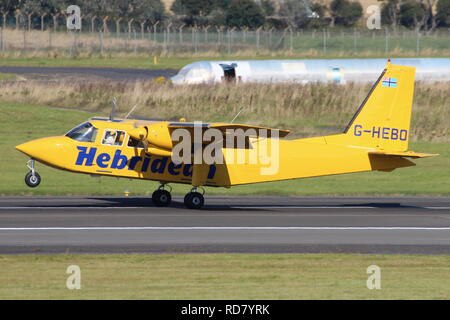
x=192 y=200
x=32 y=178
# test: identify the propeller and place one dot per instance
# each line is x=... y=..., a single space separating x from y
x=155 y=138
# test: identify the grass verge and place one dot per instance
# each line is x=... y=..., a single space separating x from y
x=225 y=276
x=24 y=122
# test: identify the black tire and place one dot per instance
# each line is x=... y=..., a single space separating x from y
x=161 y=198
x=194 y=200
x=32 y=180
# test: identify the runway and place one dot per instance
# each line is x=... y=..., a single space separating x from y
x=226 y=224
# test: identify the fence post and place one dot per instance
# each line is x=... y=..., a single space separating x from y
x=418 y=43
x=118 y=26
x=105 y=25
x=129 y=27
x=24 y=40
x=270 y=38
x=135 y=42
x=386 y=36
x=1 y=36
x=29 y=20
x=154 y=30
x=218 y=35
x=324 y=42
x=49 y=38
x=168 y=36
x=142 y=29
x=93 y=23
x=42 y=21
x=100 y=34
x=257 y=38
x=180 y=29
x=3 y=18
x=291 y=45
x=17 y=15
x=55 y=20
x=229 y=41
x=206 y=33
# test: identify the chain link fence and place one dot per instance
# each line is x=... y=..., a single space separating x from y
x=47 y=34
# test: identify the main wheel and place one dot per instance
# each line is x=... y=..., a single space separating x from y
x=194 y=200
x=32 y=180
x=161 y=198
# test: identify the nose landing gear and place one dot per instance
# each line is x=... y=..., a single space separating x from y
x=32 y=178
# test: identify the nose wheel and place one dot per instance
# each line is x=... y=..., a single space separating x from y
x=32 y=178
x=194 y=199
x=161 y=197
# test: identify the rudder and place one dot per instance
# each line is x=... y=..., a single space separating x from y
x=383 y=119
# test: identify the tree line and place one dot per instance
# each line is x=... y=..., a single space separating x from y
x=297 y=14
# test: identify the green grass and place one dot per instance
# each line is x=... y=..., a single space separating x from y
x=22 y=122
x=8 y=77
x=126 y=62
x=225 y=276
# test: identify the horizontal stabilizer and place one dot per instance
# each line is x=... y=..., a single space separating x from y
x=409 y=154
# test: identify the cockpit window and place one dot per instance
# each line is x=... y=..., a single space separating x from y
x=113 y=138
x=85 y=132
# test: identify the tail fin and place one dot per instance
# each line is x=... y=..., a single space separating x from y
x=383 y=119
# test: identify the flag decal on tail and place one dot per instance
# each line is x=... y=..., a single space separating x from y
x=389 y=82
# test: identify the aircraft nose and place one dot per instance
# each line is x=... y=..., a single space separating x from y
x=41 y=149
x=29 y=148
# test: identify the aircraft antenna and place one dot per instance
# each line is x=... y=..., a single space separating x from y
x=113 y=109
x=131 y=111
x=236 y=115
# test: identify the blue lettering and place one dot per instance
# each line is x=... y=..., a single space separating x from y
x=172 y=167
x=159 y=165
x=357 y=131
x=385 y=134
x=133 y=162
x=403 y=134
x=376 y=131
x=212 y=171
x=102 y=158
x=394 y=134
x=83 y=155
x=187 y=170
x=119 y=161
x=145 y=164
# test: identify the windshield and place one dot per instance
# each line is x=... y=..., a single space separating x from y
x=85 y=132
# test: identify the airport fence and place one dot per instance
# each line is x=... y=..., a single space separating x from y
x=221 y=41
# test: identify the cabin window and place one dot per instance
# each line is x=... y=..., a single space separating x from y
x=85 y=132
x=113 y=138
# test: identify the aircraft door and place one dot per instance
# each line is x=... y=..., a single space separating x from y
x=229 y=72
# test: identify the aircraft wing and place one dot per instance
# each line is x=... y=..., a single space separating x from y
x=227 y=126
x=409 y=154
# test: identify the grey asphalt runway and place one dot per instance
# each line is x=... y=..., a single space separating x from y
x=87 y=74
x=226 y=224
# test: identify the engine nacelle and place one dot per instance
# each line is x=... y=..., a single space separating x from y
x=156 y=138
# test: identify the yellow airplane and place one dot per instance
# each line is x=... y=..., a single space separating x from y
x=376 y=138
